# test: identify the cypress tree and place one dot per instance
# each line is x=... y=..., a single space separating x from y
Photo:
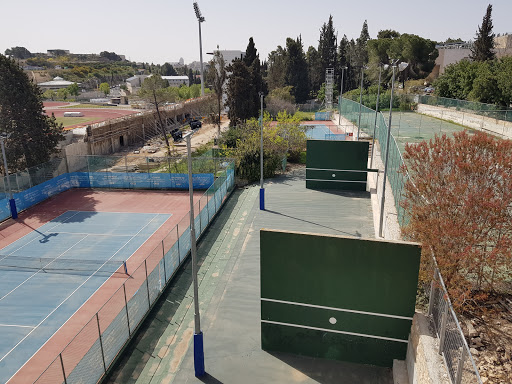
x=483 y=47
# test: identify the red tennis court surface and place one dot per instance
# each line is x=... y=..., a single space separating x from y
x=164 y=202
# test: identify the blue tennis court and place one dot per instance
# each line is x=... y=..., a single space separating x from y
x=47 y=275
x=322 y=132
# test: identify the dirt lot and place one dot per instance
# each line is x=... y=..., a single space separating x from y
x=156 y=146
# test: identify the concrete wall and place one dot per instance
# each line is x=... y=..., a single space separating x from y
x=424 y=364
x=449 y=56
x=482 y=123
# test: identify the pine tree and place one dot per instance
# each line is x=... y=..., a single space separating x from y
x=483 y=47
x=314 y=70
x=33 y=135
x=327 y=47
x=297 y=70
x=238 y=92
x=252 y=61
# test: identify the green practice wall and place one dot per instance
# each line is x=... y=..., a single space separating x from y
x=341 y=156
x=308 y=279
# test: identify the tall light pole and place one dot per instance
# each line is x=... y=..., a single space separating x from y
x=377 y=111
x=341 y=96
x=12 y=202
x=402 y=66
x=200 y=19
x=262 y=190
x=198 y=335
x=360 y=101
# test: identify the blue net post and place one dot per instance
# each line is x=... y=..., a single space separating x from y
x=262 y=199
x=12 y=206
x=199 y=355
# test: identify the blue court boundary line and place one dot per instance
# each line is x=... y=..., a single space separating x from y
x=77 y=288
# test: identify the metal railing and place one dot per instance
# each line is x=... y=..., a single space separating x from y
x=453 y=347
x=88 y=356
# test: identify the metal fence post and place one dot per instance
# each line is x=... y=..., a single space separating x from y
x=460 y=367
x=442 y=333
x=147 y=282
x=101 y=343
x=200 y=221
x=63 y=371
x=178 y=241
x=163 y=258
x=126 y=307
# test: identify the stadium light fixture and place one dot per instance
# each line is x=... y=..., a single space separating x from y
x=198 y=335
x=383 y=198
x=200 y=20
x=12 y=202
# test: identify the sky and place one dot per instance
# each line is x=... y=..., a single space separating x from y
x=164 y=31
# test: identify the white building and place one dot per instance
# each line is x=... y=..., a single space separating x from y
x=177 y=81
x=135 y=82
x=56 y=83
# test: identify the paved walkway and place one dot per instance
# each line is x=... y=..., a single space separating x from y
x=230 y=295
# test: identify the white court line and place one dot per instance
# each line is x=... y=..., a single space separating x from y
x=71 y=294
x=94 y=234
x=335 y=331
x=16 y=326
x=337 y=309
x=35 y=273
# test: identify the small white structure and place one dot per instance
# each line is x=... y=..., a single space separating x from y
x=177 y=81
x=73 y=114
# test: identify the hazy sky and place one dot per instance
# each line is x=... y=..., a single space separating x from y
x=159 y=31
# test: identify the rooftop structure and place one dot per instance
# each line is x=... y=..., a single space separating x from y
x=56 y=83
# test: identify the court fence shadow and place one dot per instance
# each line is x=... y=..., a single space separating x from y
x=132 y=360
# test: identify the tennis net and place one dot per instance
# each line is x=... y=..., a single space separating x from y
x=58 y=265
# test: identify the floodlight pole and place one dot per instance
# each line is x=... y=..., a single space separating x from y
x=383 y=198
x=360 y=102
x=200 y=19
x=198 y=335
x=12 y=202
x=376 y=114
x=341 y=97
x=262 y=189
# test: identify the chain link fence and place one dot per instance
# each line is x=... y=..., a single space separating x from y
x=453 y=347
x=488 y=110
x=87 y=358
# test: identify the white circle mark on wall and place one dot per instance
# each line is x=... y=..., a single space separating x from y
x=333 y=321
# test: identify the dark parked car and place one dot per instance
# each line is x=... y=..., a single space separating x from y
x=176 y=134
x=195 y=124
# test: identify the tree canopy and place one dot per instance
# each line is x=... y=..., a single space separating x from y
x=217 y=77
x=33 y=135
x=483 y=81
x=458 y=198
x=18 y=53
x=483 y=46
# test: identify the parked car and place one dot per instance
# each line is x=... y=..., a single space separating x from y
x=195 y=124
x=176 y=134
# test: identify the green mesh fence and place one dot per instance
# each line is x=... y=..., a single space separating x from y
x=350 y=110
x=487 y=110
